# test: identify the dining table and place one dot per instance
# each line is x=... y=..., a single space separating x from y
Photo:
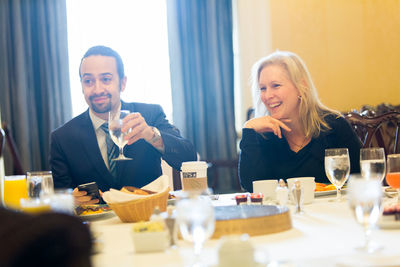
x=325 y=234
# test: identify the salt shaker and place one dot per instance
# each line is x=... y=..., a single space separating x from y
x=170 y=221
x=282 y=193
x=298 y=195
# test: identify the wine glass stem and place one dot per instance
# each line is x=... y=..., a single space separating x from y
x=121 y=151
x=398 y=195
x=197 y=248
x=338 y=194
x=197 y=253
x=367 y=237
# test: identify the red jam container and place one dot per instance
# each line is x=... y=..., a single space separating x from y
x=241 y=199
x=256 y=198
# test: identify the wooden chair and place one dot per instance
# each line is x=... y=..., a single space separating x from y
x=377 y=131
x=17 y=165
x=2 y=138
x=176 y=177
x=216 y=167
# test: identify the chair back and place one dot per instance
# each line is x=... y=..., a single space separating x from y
x=216 y=169
x=17 y=165
x=377 y=131
x=2 y=138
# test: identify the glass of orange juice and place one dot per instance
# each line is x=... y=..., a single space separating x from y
x=14 y=189
x=393 y=173
x=34 y=205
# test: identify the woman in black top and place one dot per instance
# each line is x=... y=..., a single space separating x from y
x=292 y=128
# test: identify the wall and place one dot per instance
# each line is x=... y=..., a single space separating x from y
x=352 y=48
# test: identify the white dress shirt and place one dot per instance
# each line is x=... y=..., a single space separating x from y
x=100 y=135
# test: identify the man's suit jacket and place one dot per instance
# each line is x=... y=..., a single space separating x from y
x=75 y=156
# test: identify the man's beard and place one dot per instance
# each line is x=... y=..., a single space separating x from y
x=101 y=108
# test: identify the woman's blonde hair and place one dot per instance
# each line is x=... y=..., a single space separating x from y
x=312 y=112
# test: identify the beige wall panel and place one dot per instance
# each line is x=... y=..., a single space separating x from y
x=351 y=47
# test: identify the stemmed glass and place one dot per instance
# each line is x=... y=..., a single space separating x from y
x=337 y=168
x=393 y=173
x=196 y=222
x=114 y=126
x=373 y=163
x=365 y=200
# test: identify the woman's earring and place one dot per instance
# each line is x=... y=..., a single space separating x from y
x=299 y=97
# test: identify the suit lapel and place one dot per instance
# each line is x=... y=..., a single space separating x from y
x=92 y=151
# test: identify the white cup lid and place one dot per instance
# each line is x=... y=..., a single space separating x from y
x=194 y=165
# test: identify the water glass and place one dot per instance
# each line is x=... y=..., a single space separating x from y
x=365 y=200
x=62 y=201
x=39 y=184
x=373 y=163
x=196 y=221
x=337 y=168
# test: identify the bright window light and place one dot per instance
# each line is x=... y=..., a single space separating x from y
x=137 y=30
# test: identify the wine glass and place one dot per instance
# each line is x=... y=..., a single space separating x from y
x=337 y=168
x=114 y=126
x=393 y=173
x=373 y=163
x=196 y=222
x=365 y=200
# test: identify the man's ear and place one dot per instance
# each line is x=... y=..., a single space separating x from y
x=123 y=84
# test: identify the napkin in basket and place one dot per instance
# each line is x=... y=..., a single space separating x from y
x=115 y=196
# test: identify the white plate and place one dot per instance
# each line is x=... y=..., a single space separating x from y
x=171 y=201
x=388 y=224
x=102 y=215
x=328 y=193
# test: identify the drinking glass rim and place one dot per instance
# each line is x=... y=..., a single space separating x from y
x=338 y=148
x=36 y=173
x=393 y=156
x=372 y=148
x=14 y=177
x=115 y=113
x=345 y=150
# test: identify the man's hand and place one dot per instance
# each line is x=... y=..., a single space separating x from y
x=138 y=126
x=81 y=198
x=268 y=124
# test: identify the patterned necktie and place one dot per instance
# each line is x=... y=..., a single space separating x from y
x=112 y=150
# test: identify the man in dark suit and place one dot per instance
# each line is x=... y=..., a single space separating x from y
x=79 y=152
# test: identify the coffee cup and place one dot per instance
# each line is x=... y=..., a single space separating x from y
x=308 y=184
x=194 y=176
x=266 y=187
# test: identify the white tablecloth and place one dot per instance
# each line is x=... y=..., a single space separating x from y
x=325 y=235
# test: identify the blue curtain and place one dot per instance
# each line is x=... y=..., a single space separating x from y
x=201 y=56
x=34 y=76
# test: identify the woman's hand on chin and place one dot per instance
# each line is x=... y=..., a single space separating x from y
x=268 y=124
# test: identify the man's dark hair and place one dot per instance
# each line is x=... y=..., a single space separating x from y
x=108 y=52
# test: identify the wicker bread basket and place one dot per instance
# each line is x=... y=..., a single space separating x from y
x=140 y=209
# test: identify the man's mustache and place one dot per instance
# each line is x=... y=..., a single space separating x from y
x=99 y=95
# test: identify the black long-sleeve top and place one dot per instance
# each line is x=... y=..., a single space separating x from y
x=265 y=156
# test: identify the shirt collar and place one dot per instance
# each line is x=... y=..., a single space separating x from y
x=96 y=121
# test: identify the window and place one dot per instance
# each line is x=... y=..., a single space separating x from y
x=137 y=30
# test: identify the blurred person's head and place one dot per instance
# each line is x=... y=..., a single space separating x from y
x=282 y=88
x=102 y=79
